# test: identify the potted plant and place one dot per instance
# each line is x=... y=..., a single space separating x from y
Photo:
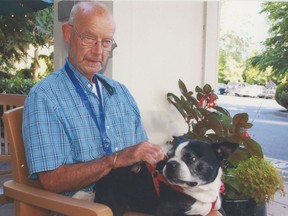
x=209 y=122
x=251 y=184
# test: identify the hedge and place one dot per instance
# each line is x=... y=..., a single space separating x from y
x=16 y=85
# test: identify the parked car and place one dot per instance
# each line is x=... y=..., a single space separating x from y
x=233 y=87
x=222 y=88
x=252 y=91
x=269 y=93
x=270 y=89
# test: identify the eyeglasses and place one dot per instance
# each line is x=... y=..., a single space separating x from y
x=107 y=44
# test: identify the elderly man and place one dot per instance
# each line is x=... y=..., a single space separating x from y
x=78 y=124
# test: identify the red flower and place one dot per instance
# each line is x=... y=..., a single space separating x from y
x=211 y=102
x=202 y=101
x=245 y=133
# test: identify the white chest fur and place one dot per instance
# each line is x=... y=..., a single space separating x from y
x=205 y=195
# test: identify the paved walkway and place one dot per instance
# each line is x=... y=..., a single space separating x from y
x=279 y=207
x=283 y=167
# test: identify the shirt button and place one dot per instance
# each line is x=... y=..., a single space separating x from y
x=116 y=149
x=89 y=85
x=107 y=127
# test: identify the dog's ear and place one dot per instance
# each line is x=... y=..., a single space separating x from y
x=171 y=151
x=224 y=149
x=179 y=139
x=176 y=141
x=160 y=165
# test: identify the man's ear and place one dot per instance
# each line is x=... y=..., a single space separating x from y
x=66 y=31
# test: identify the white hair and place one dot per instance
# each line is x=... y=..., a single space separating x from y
x=86 y=7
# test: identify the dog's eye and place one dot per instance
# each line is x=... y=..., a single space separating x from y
x=189 y=158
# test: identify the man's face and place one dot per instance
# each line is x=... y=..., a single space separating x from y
x=86 y=59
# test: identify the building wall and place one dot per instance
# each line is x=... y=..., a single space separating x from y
x=160 y=42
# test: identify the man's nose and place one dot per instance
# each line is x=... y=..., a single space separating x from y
x=97 y=48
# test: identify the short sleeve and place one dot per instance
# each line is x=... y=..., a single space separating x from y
x=44 y=136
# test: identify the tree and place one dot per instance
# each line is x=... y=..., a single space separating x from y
x=18 y=32
x=275 y=51
x=233 y=52
x=252 y=75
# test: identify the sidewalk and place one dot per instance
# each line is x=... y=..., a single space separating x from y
x=279 y=207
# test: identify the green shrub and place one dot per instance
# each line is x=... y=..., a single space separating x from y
x=26 y=73
x=281 y=95
x=16 y=85
x=4 y=75
x=254 y=178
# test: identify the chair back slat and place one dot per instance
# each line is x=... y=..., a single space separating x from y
x=13 y=124
x=7 y=102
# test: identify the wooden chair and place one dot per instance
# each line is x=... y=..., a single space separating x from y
x=7 y=101
x=29 y=198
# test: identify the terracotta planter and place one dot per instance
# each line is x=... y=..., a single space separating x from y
x=243 y=208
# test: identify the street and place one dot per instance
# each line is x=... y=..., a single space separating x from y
x=270 y=122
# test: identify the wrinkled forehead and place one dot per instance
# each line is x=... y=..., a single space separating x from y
x=96 y=18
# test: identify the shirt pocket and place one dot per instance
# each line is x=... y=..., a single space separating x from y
x=122 y=123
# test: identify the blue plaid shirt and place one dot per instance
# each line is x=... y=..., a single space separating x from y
x=58 y=129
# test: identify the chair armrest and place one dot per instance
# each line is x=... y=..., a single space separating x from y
x=54 y=202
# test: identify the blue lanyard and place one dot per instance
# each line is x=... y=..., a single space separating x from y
x=101 y=126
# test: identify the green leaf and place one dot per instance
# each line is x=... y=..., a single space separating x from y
x=215 y=138
x=203 y=111
x=189 y=135
x=199 y=96
x=182 y=87
x=198 y=89
x=194 y=113
x=222 y=110
x=191 y=99
x=173 y=99
x=226 y=122
x=248 y=125
x=253 y=147
x=199 y=129
x=230 y=180
x=190 y=113
x=215 y=124
x=240 y=119
x=239 y=155
x=207 y=88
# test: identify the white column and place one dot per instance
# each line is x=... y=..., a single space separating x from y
x=60 y=51
x=211 y=43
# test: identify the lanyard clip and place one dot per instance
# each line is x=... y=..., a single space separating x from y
x=106 y=144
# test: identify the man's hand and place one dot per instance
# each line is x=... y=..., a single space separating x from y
x=76 y=176
x=145 y=151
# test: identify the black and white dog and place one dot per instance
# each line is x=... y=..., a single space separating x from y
x=191 y=185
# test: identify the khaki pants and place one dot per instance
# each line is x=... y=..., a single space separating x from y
x=82 y=195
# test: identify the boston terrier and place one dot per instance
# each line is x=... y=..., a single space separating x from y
x=187 y=183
